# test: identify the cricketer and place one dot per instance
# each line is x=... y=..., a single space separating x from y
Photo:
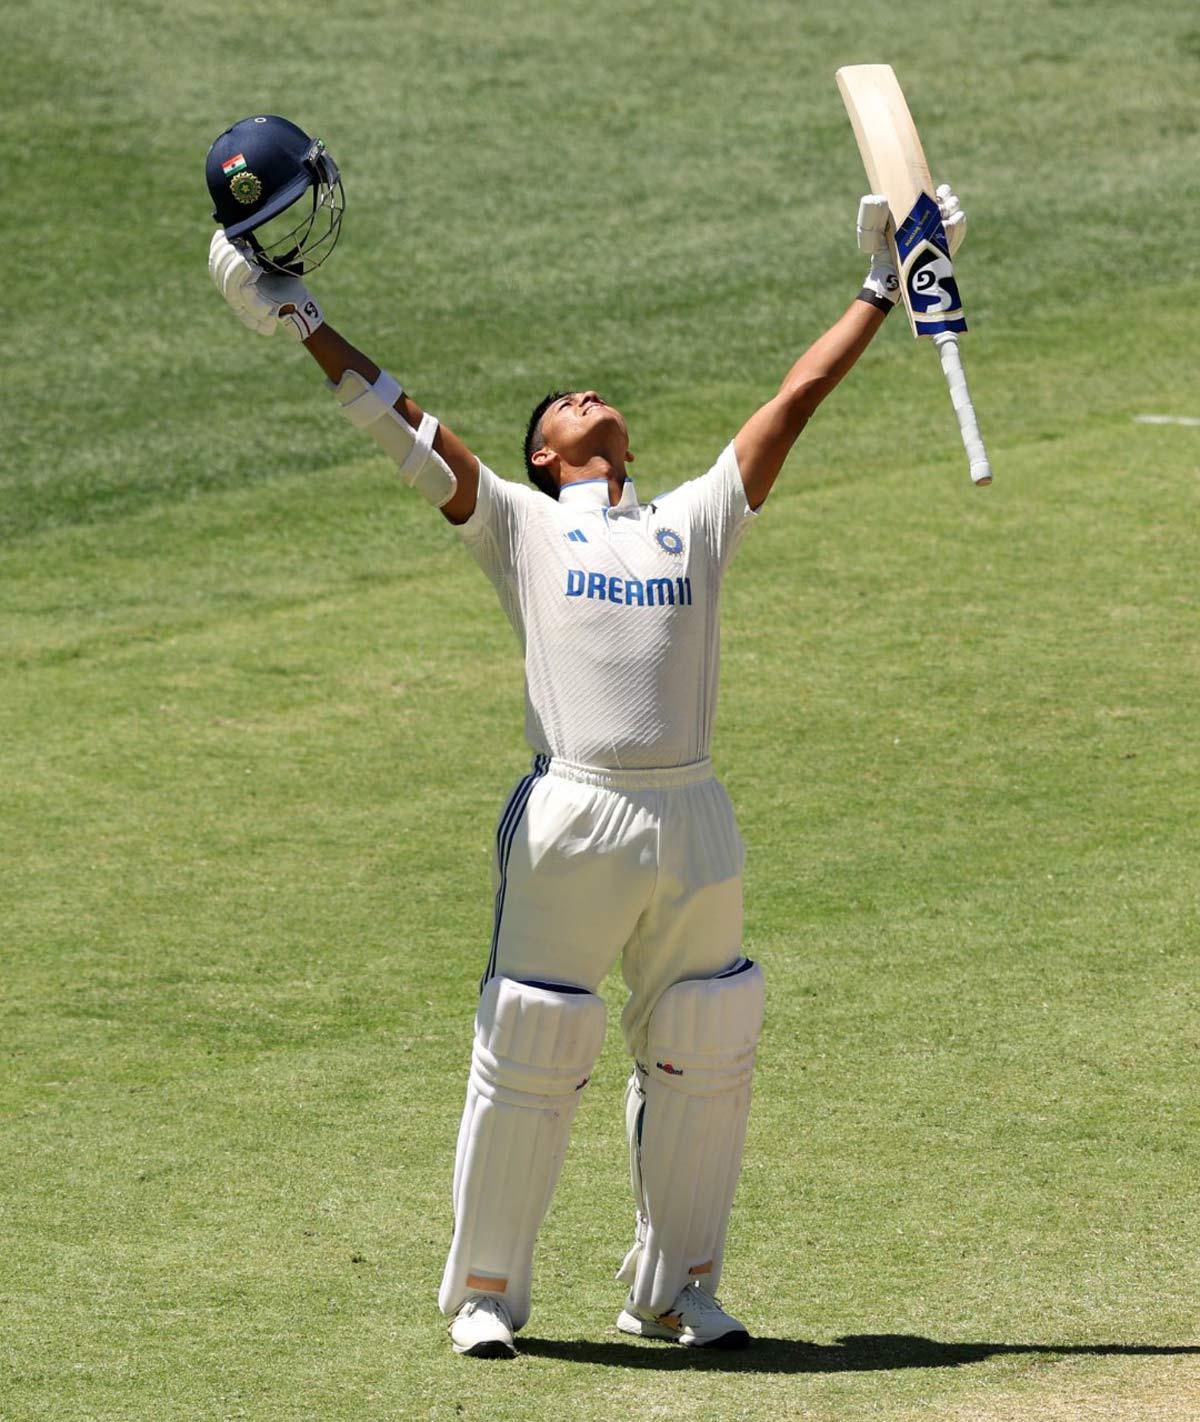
x=619 y=843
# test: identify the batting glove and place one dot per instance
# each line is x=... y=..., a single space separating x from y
x=256 y=297
x=882 y=285
x=954 y=219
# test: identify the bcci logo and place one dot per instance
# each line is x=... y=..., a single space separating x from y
x=669 y=541
x=246 y=187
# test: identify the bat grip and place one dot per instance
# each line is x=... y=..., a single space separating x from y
x=968 y=422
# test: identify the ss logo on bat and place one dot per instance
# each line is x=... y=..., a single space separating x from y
x=931 y=284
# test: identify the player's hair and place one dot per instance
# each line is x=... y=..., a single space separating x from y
x=534 y=441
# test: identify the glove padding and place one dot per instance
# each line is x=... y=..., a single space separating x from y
x=883 y=281
x=256 y=296
x=873 y=218
x=954 y=219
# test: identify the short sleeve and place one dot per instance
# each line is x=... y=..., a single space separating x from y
x=716 y=504
x=493 y=532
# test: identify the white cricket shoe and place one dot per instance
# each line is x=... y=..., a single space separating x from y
x=482 y=1328
x=695 y=1319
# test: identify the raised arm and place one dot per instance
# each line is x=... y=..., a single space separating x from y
x=431 y=457
x=763 y=442
x=335 y=355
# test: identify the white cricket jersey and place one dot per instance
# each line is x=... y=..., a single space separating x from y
x=617 y=611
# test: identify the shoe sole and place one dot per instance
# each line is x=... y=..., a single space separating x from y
x=730 y=1342
x=491 y=1348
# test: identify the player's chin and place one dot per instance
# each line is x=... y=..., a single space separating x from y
x=605 y=416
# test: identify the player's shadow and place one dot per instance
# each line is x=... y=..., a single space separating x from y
x=855 y=1353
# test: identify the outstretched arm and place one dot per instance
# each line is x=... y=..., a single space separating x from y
x=335 y=355
x=763 y=442
x=266 y=301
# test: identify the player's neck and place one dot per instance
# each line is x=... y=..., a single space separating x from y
x=596 y=468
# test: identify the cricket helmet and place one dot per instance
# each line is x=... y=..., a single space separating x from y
x=277 y=188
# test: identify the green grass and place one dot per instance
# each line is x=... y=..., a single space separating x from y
x=259 y=711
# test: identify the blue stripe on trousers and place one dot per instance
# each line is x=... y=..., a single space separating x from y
x=742 y=965
x=506 y=832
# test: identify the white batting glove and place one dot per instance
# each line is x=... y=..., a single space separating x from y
x=256 y=297
x=882 y=282
x=954 y=219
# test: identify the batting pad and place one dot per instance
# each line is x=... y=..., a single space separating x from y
x=686 y=1110
x=372 y=408
x=534 y=1051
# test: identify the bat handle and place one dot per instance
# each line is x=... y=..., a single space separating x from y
x=968 y=422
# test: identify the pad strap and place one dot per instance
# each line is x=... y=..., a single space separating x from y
x=421 y=450
x=363 y=404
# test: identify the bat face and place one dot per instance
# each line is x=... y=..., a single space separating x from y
x=927 y=278
x=895 y=163
x=896 y=167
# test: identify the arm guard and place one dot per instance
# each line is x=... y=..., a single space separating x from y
x=372 y=408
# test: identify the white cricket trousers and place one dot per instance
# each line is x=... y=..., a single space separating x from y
x=594 y=864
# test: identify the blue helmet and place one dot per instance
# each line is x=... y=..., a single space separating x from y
x=261 y=169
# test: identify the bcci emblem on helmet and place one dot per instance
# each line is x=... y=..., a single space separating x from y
x=246 y=187
x=278 y=190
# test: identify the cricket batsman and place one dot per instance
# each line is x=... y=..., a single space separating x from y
x=619 y=842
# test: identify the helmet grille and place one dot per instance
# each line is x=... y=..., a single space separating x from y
x=298 y=239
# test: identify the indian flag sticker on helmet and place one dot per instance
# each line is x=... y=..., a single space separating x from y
x=233 y=165
x=246 y=187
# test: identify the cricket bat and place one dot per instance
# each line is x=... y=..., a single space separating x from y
x=896 y=168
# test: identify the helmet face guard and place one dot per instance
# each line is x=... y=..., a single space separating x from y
x=297 y=240
x=279 y=191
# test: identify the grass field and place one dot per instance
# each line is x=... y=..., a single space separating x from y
x=259 y=711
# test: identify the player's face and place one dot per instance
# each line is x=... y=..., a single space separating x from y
x=583 y=424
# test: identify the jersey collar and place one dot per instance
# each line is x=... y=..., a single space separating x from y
x=593 y=494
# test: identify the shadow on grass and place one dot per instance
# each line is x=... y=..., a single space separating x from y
x=856 y=1353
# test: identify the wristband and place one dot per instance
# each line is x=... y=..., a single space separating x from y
x=880 y=303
